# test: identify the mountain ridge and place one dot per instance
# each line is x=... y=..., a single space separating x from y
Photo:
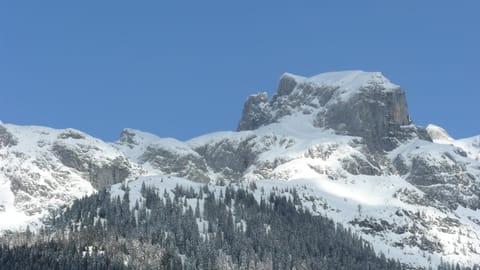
x=347 y=136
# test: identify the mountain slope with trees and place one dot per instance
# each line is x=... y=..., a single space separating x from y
x=165 y=232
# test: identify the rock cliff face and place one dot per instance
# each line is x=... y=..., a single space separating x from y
x=364 y=104
x=443 y=172
x=162 y=155
x=100 y=174
x=6 y=138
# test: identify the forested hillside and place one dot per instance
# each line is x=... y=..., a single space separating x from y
x=226 y=230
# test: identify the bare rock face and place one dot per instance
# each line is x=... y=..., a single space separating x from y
x=443 y=172
x=6 y=138
x=71 y=134
x=446 y=180
x=100 y=173
x=356 y=103
x=127 y=137
x=254 y=112
x=446 y=170
x=230 y=158
x=372 y=114
x=357 y=166
x=163 y=155
x=103 y=176
x=189 y=165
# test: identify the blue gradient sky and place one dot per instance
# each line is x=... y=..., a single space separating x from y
x=182 y=69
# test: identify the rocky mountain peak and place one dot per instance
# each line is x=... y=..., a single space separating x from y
x=357 y=103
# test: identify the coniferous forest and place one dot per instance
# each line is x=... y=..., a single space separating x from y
x=226 y=230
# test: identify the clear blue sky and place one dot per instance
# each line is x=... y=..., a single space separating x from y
x=184 y=68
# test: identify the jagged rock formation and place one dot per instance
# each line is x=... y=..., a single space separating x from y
x=443 y=172
x=100 y=174
x=6 y=138
x=354 y=103
x=162 y=155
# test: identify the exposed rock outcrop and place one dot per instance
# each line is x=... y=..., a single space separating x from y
x=101 y=173
x=364 y=104
x=443 y=172
x=188 y=165
x=6 y=138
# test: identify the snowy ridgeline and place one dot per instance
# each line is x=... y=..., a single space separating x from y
x=384 y=206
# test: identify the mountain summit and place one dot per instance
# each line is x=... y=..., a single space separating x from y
x=358 y=103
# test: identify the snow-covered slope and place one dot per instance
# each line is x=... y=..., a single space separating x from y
x=42 y=169
x=344 y=139
x=349 y=82
x=417 y=202
x=438 y=134
x=471 y=146
x=380 y=212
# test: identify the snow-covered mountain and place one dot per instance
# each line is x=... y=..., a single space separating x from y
x=42 y=169
x=343 y=139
